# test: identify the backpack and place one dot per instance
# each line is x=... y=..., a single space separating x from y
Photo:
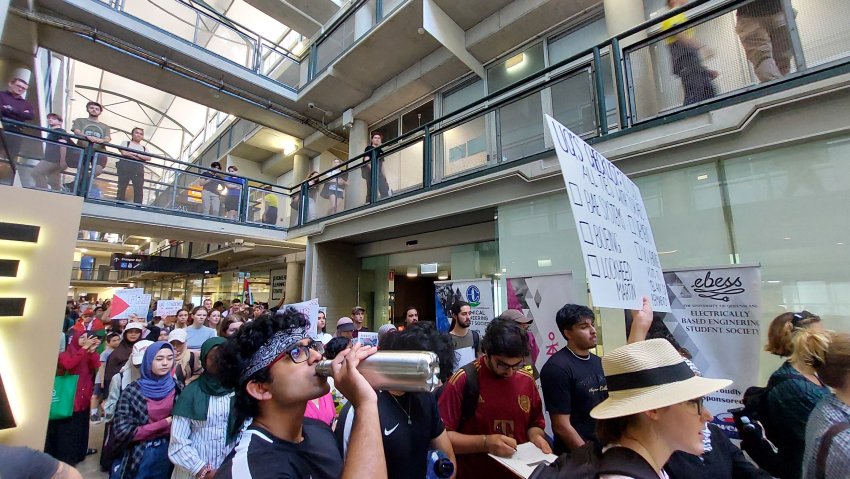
x=589 y=462
x=755 y=399
x=471 y=392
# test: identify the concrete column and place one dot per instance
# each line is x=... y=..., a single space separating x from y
x=620 y=15
x=300 y=168
x=358 y=138
x=294 y=278
x=335 y=268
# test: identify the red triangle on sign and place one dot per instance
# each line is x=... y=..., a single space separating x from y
x=118 y=306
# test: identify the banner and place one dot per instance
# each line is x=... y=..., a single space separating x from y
x=310 y=309
x=168 y=307
x=614 y=233
x=128 y=301
x=539 y=298
x=477 y=292
x=277 y=286
x=715 y=317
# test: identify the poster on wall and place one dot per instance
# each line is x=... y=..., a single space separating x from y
x=128 y=301
x=540 y=297
x=310 y=309
x=715 y=316
x=277 y=284
x=477 y=292
x=616 y=240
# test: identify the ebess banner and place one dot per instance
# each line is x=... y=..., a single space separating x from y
x=715 y=316
x=477 y=292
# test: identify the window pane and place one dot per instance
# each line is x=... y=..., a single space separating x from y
x=515 y=68
x=417 y=117
x=464 y=147
x=578 y=40
x=573 y=104
x=461 y=97
x=521 y=125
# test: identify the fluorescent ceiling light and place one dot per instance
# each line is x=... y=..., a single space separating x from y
x=412 y=272
x=515 y=62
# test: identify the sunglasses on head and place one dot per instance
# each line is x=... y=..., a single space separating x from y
x=798 y=318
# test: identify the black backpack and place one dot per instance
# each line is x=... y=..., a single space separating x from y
x=755 y=399
x=589 y=462
x=471 y=391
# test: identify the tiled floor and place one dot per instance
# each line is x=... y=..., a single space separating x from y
x=90 y=468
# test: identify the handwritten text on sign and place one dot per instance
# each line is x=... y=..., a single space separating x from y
x=616 y=239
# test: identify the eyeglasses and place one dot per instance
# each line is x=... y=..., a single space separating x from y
x=301 y=352
x=699 y=403
x=505 y=366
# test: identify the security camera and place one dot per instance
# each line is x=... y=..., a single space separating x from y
x=311 y=105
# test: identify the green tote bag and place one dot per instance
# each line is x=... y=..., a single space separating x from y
x=62 y=402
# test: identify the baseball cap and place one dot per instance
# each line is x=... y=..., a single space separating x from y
x=355 y=309
x=139 y=351
x=515 y=315
x=133 y=326
x=177 y=335
x=345 y=324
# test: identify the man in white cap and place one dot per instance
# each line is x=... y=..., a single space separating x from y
x=13 y=106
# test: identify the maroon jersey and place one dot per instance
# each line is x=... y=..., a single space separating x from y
x=508 y=406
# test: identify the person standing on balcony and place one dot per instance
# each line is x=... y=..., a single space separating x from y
x=132 y=171
x=13 y=106
x=98 y=134
x=48 y=171
x=210 y=200
x=234 y=193
x=763 y=30
x=686 y=57
x=366 y=170
x=334 y=189
x=271 y=203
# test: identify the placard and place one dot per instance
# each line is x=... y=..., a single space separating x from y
x=616 y=240
x=168 y=307
x=310 y=309
x=367 y=338
x=126 y=302
x=277 y=284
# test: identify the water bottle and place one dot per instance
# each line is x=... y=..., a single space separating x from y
x=439 y=465
x=408 y=371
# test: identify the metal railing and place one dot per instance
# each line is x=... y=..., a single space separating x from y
x=506 y=126
x=214 y=32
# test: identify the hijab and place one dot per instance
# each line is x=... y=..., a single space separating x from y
x=153 y=386
x=194 y=401
x=153 y=333
x=117 y=359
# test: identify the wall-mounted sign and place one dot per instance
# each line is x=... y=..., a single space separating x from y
x=163 y=264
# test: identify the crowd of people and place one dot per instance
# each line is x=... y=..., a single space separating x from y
x=190 y=398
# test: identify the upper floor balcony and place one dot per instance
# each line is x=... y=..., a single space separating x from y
x=605 y=93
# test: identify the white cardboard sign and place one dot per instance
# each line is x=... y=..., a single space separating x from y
x=616 y=239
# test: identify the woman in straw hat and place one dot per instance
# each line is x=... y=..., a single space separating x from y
x=654 y=408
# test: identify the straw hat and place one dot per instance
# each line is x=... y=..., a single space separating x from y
x=649 y=375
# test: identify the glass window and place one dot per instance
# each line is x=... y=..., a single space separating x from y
x=459 y=98
x=521 y=128
x=516 y=67
x=577 y=40
x=417 y=117
x=573 y=103
x=464 y=147
x=389 y=130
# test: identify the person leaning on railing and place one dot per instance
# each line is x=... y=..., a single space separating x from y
x=132 y=171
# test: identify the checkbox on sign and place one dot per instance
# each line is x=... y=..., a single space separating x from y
x=593 y=265
x=586 y=234
x=575 y=194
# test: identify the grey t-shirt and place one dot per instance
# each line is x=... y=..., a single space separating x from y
x=92 y=128
x=464 y=347
x=24 y=463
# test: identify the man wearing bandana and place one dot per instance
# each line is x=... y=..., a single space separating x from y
x=271 y=363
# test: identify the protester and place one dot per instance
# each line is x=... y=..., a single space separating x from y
x=182 y=319
x=345 y=327
x=213 y=319
x=88 y=322
x=186 y=367
x=830 y=419
x=366 y=170
x=210 y=194
x=132 y=333
x=132 y=171
x=233 y=196
x=509 y=410
x=334 y=189
x=153 y=333
x=411 y=315
x=466 y=341
x=271 y=204
x=67 y=439
x=654 y=408
x=100 y=392
x=793 y=390
x=203 y=415
x=525 y=323
x=572 y=380
x=410 y=421
x=230 y=325
x=321 y=328
x=271 y=364
x=143 y=418
x=96 y=132
x=197 y=333
x=384 y=330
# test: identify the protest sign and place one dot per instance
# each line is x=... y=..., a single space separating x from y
x=616 y=240
x=168 y=307
x=310 y=309
x=128 y=301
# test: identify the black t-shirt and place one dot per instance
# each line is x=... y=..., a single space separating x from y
x=51 y=150
x=259 y=455
x=405 y=445
x=211 y=185
x=26 y=463
x=573 y=386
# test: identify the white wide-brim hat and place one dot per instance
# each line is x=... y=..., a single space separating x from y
x=649 y=375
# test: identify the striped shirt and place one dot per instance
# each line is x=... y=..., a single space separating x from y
x=194 y=443
x=829 y=411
